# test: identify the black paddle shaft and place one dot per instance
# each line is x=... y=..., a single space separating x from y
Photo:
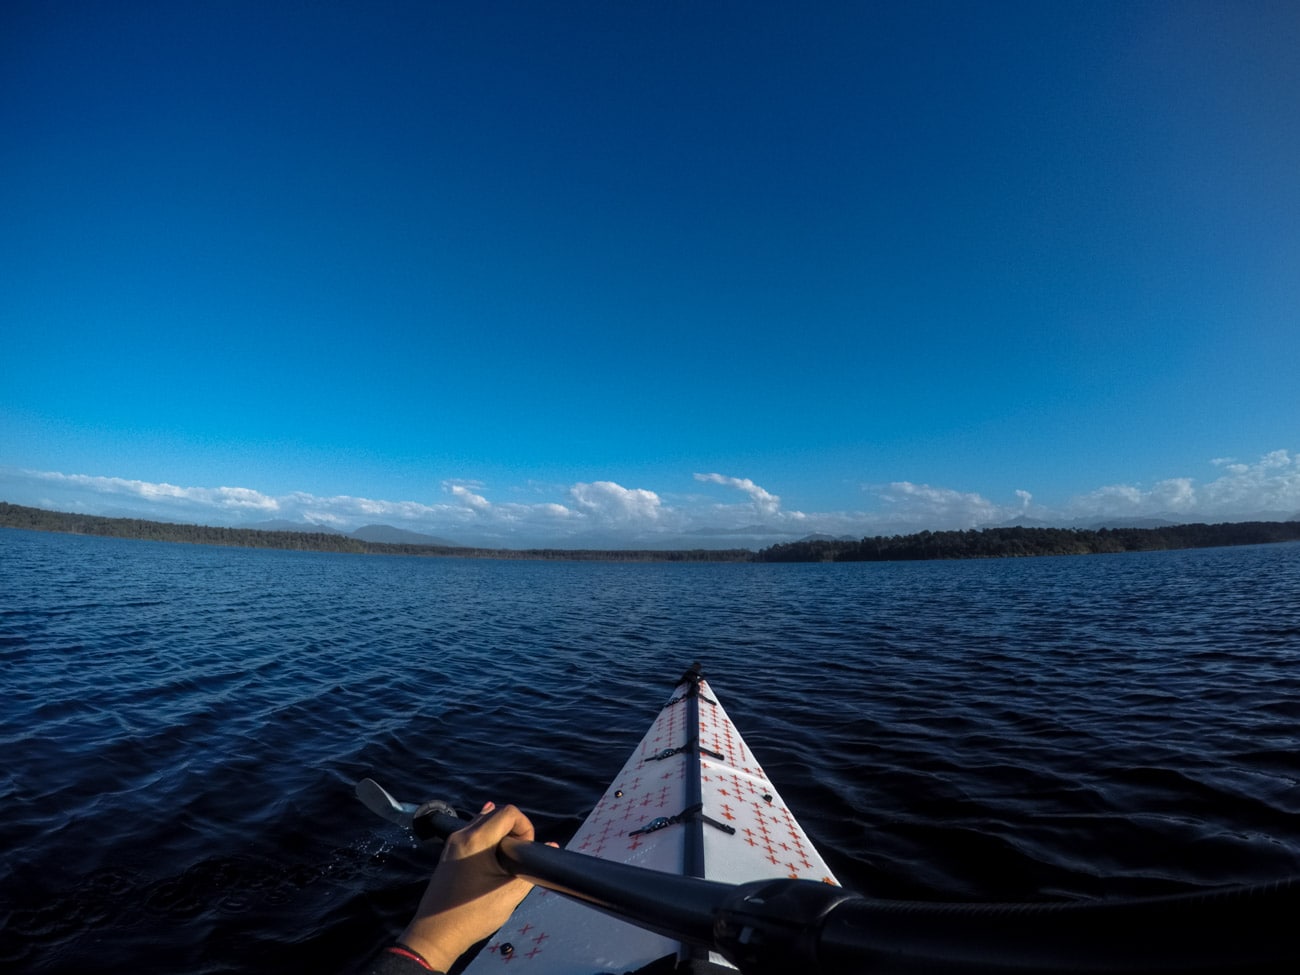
x=772 y=926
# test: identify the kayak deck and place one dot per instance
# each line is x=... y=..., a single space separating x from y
x=691 y=800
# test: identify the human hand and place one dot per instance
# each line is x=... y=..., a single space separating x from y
x=469 y=895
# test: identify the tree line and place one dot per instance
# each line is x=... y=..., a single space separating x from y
x=987 y=543
x=992 y=543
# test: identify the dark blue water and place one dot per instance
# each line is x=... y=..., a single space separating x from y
x=181 y=727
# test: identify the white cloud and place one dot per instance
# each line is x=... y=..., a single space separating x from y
x=934 y=507
x=610 y=502
x=1272 y=484
x=246 y=498
x=344 y=509
x=553 y=510
x=765 y=503
x=1175 y=494
x=228 y=498
x=1118 y=493
x=606 y=514
x=1278 y=460
x=462 y=493
x=1270 y=487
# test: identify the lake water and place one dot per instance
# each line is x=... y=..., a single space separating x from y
x=181 y=727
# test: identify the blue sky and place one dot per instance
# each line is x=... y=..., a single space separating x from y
x=603 y=273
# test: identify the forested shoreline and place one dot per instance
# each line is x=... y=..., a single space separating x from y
x=994 y=543
x=987 y=543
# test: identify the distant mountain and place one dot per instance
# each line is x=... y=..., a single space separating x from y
x=397 y=536
x=620 y=541
x=284 y=525
x=1131 y=523
x=742 y=530
x=1169 y=520
x=1021 y=523
x=823 y=537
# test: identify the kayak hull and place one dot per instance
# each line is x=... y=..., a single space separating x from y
x=690 y=800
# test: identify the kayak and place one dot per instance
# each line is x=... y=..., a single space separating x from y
x=691 y=800
x=692 y=861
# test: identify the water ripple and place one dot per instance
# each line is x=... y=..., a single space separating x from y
x=183 y=725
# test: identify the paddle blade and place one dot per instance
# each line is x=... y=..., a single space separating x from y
x=376 y=798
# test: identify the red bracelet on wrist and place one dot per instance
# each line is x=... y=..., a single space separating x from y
x=405 y=952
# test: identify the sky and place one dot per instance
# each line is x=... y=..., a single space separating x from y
x=651 y=273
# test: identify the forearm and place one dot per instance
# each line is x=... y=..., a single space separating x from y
x=435 y=945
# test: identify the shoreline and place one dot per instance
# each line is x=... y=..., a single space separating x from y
x=1014 y=542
